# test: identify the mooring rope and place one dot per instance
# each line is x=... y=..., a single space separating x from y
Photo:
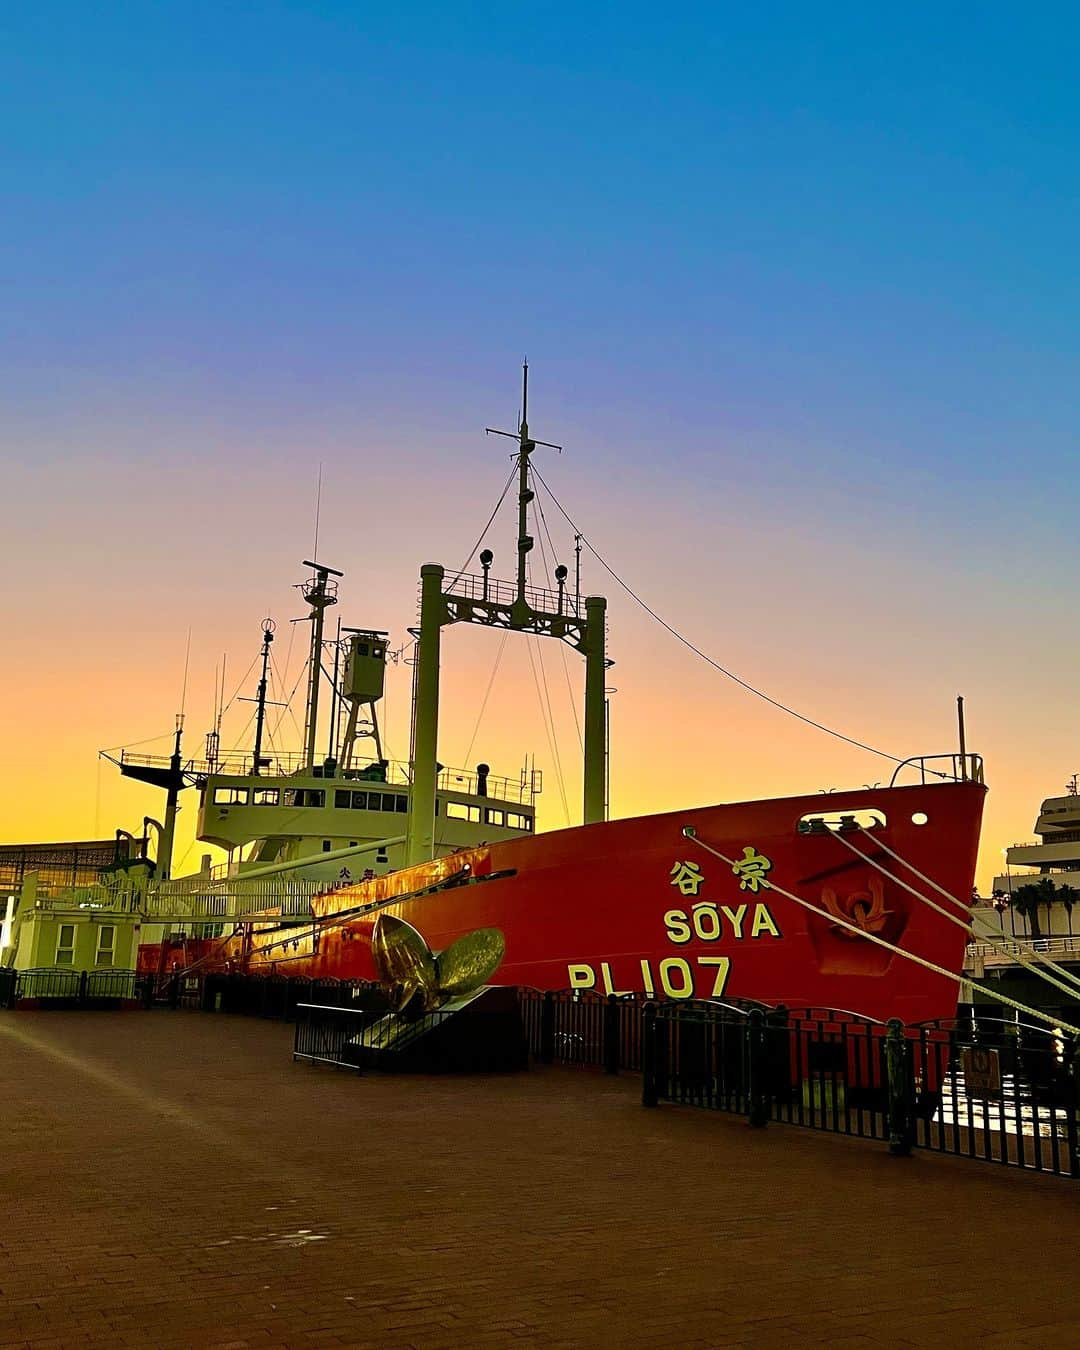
x=1071 y=987
x=995 y=997
x=1039 y=956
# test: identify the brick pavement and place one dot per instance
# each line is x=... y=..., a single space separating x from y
x=172 y=1180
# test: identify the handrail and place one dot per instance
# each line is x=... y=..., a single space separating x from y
x=469 y=586
x=965 y=768
x=293 y=764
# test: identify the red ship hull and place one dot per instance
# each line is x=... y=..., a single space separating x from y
x=636 y=905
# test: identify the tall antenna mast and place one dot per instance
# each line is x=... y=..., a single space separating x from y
x=320 y=592
x=260 y=710
x=525 y=494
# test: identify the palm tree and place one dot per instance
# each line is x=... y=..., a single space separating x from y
x=1047 y=895
x=1068 y=895
x=1026 y=901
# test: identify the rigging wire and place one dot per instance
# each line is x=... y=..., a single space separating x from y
x=131 y=745
x=679 y=637
x=548 y=718
x=562 y=648
x=487 y=695
x=483 y=532
x=243 y=681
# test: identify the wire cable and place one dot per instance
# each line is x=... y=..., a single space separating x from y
x=730 y=674
x=487 y=695
x=483 y=532
x=552 y=586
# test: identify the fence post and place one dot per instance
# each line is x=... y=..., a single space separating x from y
x=84 y=983
x=757 y=1066
x=901 y=1089
x=547 y=1028
x=649 y=1095
x=611 y=1034
x=1073 y=1107
x=174 y=989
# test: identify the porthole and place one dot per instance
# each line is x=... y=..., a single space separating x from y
x=919 y=818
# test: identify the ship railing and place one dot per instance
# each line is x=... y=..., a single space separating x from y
x=947 y=768
x=198 y=899
x=113 y=897
x=504 y=594
x=290 y=764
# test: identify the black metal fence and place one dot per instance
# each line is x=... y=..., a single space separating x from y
x=999 y=1091
x=324 y=1034
x=984 y=1089
x=275 y=996
x=48 y=987
x=582 y=1027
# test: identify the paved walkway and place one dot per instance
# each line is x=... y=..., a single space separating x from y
x=173 y=1179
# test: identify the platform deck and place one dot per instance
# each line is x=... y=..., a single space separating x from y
x=174 y=1179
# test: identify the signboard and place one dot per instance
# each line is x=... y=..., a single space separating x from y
x=982 y=1072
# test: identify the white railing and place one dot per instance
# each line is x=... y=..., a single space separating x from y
x=290 y=764
x=1011 y=949
x=198 y=899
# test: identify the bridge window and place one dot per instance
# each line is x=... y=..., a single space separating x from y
x=341 y=798
x=265 y=796
x=462 y=811
x=106 y=945
x=493 y=816
x=65 y=945
x=230 y=796
x=515 y=820
x=305 y=797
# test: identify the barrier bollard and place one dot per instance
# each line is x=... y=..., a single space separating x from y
x=757 y=1070
x=547 y=1028
x=901 y=1089
x=611 y=1034
x=649 y=1096
x=1073 y=1070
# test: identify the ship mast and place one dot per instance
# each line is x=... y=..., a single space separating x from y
x=172 y=803
x=319 y=592
x=259 y=761
x=541 y=613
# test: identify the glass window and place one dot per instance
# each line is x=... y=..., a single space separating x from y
x=266 y=797
x=326 y=844
x=106 y=945
x=462 y=811
x=493 y=816
x=517 y=820
x=305 y=797
x=230 y=796
x=65 y=945
x=359 y=801
x=315 y=797
x=389 y=801
x=342 y=798
x=402 y=805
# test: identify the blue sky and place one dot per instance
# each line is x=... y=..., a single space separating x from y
x=799 y=280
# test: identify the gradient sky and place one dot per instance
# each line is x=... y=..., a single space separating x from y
x=799 y=290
